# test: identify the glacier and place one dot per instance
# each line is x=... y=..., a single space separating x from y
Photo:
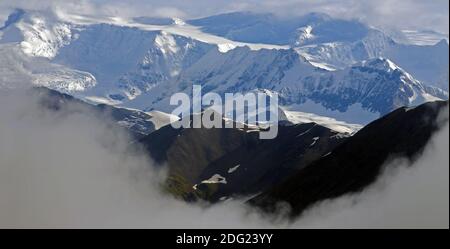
x=339 y=69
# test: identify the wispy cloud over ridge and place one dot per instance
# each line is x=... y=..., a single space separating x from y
x=405 y=14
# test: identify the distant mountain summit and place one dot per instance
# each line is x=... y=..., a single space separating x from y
x=248 y=27
x=318 y=64
x=14 y=17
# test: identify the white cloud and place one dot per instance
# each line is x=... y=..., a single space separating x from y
x=73 y=170
x=405 y=14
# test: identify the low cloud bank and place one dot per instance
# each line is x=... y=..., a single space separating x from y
x=76 y=171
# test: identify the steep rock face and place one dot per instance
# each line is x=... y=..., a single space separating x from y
x=170 y=56
x=379 y=85
x=427 y=63
x=339 y=55
x=376 y=86
x=357 y=162
x=334 y=43
x=127 y=61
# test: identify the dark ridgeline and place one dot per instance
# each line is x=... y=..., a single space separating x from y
x=138 y=123
x=357 y=162
x=304 y=164
x=195 y=155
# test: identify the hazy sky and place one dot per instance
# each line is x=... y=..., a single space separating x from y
x=405 y=14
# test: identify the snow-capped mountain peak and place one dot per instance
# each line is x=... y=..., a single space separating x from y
x=304 y=34
x=140 y=63
x=39 y=34
x=381 y=64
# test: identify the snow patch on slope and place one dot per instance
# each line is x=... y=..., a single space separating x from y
x=315 y=139
x=223 y=48
x=215 y=179
x=161 y=119
x=355 y=114
x=233 y=169
x=99 y=100
x=331 y=123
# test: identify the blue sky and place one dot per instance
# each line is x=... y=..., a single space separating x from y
x=404 y=14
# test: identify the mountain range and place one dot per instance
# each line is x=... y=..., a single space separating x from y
x=306 y=163
x=137 y=123
x=341 y=69
x=351 y=95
